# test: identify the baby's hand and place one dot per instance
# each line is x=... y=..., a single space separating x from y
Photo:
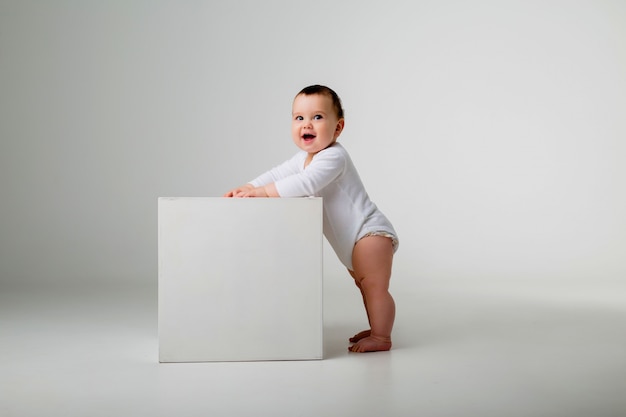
x=239 y=191
x=255 y=192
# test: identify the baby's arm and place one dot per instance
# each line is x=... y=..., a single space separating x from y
x=263 y=185
x=323 y=169
x=293 y=182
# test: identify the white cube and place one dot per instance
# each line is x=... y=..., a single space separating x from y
x=240 y=279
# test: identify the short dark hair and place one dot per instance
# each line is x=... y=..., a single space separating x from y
x=326 y=91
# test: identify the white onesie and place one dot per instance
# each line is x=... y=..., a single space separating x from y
x=349 y=214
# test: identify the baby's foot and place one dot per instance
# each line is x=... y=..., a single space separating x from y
x=371 y=344
x=360 y=335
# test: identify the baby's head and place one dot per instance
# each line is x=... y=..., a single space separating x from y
x=325 y=91
x=317 y=118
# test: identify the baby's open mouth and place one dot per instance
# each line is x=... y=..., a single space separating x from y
x=308 y=136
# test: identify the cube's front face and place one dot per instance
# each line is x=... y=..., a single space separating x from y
x=240 y=279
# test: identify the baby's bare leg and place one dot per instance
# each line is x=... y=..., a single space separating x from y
x=372 y=259
x=365 y=333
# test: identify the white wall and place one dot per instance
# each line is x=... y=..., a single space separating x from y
x=492 y=133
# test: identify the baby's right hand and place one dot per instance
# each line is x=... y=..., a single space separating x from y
x=239 y=191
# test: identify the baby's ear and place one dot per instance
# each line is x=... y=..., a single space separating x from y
x=339 y=127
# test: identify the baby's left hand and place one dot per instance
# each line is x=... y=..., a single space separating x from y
x=237 y=192
x=254 y=192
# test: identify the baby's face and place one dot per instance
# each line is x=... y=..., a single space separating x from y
x=314 y=123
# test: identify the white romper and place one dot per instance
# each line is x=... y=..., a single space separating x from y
x=349 y=214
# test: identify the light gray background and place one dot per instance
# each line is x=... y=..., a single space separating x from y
x=490 y=132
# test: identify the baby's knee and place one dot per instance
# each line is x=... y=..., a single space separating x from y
x=373 y=284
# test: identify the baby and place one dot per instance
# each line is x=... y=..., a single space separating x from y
x=361 y=236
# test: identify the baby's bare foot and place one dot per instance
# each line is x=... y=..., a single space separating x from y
x=360 y=335
x=371 y=344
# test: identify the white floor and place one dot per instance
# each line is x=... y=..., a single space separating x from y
x=457 y=352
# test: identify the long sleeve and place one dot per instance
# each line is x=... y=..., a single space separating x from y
x=325 y=167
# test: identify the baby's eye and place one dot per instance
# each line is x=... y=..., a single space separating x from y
x=318 y=117
x=299 y=118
